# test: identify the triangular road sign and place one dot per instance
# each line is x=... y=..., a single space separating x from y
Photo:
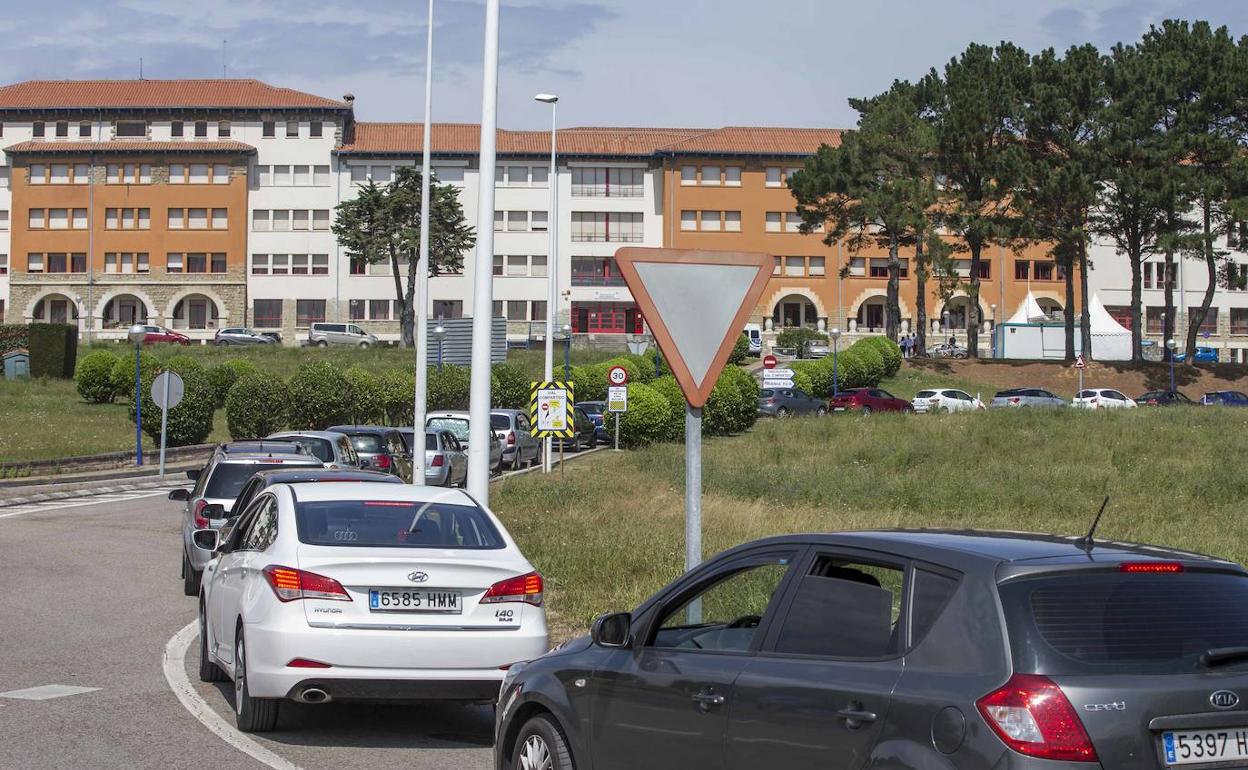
x=1079 y=364
x=696 y=303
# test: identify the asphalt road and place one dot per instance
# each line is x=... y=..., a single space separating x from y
x=90 y=598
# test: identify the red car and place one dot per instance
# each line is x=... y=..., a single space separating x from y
x=867 y=400
x=158 y=334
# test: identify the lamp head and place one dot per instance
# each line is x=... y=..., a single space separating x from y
x=439 y=330
x=1170 y=343
x=546 y=98
x=136 y=333
x=836 y=334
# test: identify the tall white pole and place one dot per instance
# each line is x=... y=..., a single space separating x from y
x=422 y=277
x=479 y=434
x=552 y=267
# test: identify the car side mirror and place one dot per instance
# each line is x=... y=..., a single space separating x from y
x=193 y=474
x=215 y=510
x=180 y=494
x=612 y=630
x=207 y=539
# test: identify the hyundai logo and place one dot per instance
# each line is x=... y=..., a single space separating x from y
x=1224 y=699
x=420 y=577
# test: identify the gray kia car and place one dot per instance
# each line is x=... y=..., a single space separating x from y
x=1021 y=397
x=903 y=649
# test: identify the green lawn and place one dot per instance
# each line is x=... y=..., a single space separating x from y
x=611 y=533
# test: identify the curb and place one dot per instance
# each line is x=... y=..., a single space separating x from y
x=62 y=494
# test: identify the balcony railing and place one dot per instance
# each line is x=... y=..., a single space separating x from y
x=597 y=280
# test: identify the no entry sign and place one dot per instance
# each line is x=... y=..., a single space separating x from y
x=769 y=361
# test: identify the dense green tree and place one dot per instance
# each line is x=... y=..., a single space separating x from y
x=976 y=112
x=381 y=225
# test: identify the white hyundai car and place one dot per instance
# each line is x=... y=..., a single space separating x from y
x=944 y=400
x=364 y=591
x=1102 y=398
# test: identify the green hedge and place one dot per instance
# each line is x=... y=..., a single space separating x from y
x=122 y=375
x=398 y=387
x=13 y=336
x=647 y=417
x=93 y=377
x=367 y=396
x=748 y=388
x=53 y=350
x=190 y=422
x=448 y=389
x=872 y=360
x=511 y=387
x=225 y=374
x=256 y=405
x=740 y=350
x=674 y=428
x=319 y=396
x=890 y=351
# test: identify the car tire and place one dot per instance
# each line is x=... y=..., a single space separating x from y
x=190 y=578
x=253 y=715
x=208 y=671
x=576 y=443
x=907 y=410
x=323 y=344
x=865 y=411
x=821 y=412
x=222 y=343
x=363 y=346
x=540 y=744
x=782 y=412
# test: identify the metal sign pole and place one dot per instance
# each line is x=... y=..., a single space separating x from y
x=164 y=424
x=693 y=499
x=617 y=431
x=1081 y=380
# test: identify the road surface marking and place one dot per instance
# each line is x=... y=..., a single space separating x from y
x=47 y=692
x=175 y=675
x=78 y=502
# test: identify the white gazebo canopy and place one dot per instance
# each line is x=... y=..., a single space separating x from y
x=1029 y=311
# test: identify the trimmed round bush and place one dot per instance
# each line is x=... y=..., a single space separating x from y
x=93 y=377
x=854 y=371
x=890 y=351
x=802 y=377
x=589 y=382
x=222 y=378
x=747 y=387
x=740 y=350
x=448 y=389
x=645 y=365
x=190 y=422
x=397 y=388
x=367 y=406
x=722 y=412
x=319 y=397
x=873 y=361
x=184 y=363
x=648 y=414
x=256 y=405
x=122 y=375
x=669 y=388
x=511 y=387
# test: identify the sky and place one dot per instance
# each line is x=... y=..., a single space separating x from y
x=683 y=63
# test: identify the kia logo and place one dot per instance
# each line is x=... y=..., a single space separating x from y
x=420 y=577
x=1224 y=699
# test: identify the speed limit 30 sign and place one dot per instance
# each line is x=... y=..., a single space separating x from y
x=617 y=375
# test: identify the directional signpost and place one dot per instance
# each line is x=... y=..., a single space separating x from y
x=778 y=378
x=696 y=303
x=1080 y=365
x=167 y=391
x=617 y=397
x=550 y=412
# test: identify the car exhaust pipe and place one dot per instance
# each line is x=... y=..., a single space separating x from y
x=313 y=695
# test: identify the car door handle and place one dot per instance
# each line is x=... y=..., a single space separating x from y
x=707 y=700
x=855 y=716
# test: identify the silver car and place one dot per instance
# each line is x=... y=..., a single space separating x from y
x=512 y=427
x=240 y=335
x=816 y=349
x=330 y=447
x=325 y=334
x=457 y=424
x=216 y=488
x=1020 y=397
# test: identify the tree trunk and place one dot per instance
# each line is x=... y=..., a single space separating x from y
x=1194 y=324
x=1068 y=312
x=1168 y=325
x=920 y=299
x=1085 y=312
x=972 y=310
x=405 y=306
x=892 y=308
x=1137 y=310
x=407 y=317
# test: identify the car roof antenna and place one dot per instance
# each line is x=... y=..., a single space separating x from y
x=1086 y=541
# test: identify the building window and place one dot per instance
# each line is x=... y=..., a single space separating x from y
x=201 y=129
x=260 y=219
x=299 y=219
x=596 y=271
x=540 y=175
x=773 y=177
x=1239 y=318
x=199 y=173
x=82 y=173
x=280 y=264
x=320 y=264
x=4 y=219
x=84 y=130
x=36 y=220
x=60 y=173
x=517 y=221
x=218 y=263
x=80 y=219
x=588 y=182
x=320 y=219
x=1209 y=325
x=710 y=176
x=223 y=129
x=857 y=267
x=259 y=264
x=710 y=221
x=57 y=263
x=177 y=173
x=688 y=175
x=794 y=267
x=498 y=265
x=1022 y=270
x=269 y=128
x=606 y=318
x=175 y=129
x=355 y=309
x=62 y=129
x=37 y=129
x=196 y=262
x=34 y=263
x=320 y=176
x=448 y=308
x=292 y=129
x=142 y=264
x=78 y=262
x=131 y=128
x=732 y=176
x=609 y=227
x=815 y=267
x=500 y=221
x=792 y=222
x=358 y=266
x=1043 y=271
x=299 y=264
x=309 y=311
x=379 y=310
x=281 y=219
x=173 y=262
x=220 y=173
x=381 y=174
x=37 y=174
x=773 y=221
x=314 y=128
x=517 y=265
x=985 y=269
x=732 y=221
x=688 y=220
x=220 y=219
x=267 y=313
x=359 y=174
x=537 y=221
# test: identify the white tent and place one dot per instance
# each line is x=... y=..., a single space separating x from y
x=1029 y=311
x=1111 y=341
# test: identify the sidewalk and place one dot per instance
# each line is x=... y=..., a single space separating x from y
x=41 y=489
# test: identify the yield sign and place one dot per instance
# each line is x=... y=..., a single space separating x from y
x=696 y=303
x=1079 y=364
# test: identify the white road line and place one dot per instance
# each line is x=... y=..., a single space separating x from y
x=175 y=674
x=78 y=502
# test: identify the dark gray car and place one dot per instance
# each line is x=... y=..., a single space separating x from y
x=1021 y=397
x=783 y=402
x=379 y=449
x=903 y=649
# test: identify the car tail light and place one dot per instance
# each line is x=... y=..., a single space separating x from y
x=511 y=438
x=1033 y=717
x=305 y=663
x=1015 y=399
x=201 y=521
x=290 y=584
x=522 y=588
x=1092 y=400
x=383 y=461
x=437 y=461
x=1153 y=567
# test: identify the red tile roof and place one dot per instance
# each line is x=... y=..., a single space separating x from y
x=130 y=146
x=103 y=94
x=757 y=141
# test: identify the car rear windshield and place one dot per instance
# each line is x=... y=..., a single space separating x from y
x=591 y=408
x=1155 y=395
x=321 y=449
x=368 y=442
x=458 y=426
x=925 y=394
x=227 y=479
x=1112 y=622
x=395 y=524
x=500 y=422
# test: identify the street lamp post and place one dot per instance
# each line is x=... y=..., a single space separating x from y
x=1171 y=345
x=552 y=259
x=836 y=335
x=439 y=331
x=420 y=401
x=567 y=352
x=136 y=334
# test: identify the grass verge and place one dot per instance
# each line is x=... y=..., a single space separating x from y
x=612 y=532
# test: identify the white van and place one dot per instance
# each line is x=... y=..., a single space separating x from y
x=754 y=333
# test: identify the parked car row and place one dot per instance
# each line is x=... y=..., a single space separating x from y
x=785 y=402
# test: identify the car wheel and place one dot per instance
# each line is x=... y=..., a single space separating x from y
x=782 y=412
x=866 y=410
x=190 y=578
x=363 y=345
x=323 y=344
x=208 y=671
x=907 y=410
x=222 y=343
x=821 y=412
x=253 y=715
x=541 y=746
x=576 y=443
